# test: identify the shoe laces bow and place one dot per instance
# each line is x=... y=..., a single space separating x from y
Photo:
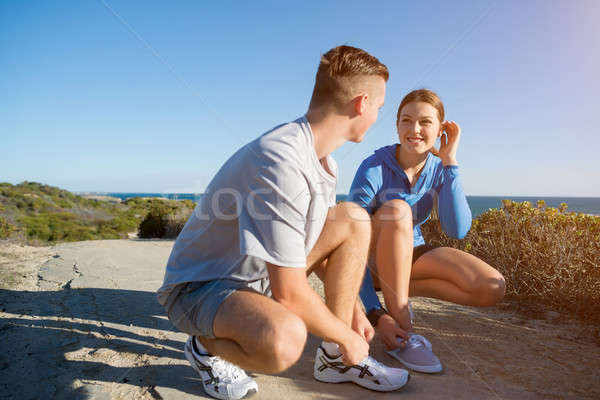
x=415 y=341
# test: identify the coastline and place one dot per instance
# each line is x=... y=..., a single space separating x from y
x=479 y=204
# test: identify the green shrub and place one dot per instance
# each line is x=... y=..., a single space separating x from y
x=175 y=222
x=6 y=228
x=43 y=213
x=547 y=255
x=153 y=225
x=165 y=219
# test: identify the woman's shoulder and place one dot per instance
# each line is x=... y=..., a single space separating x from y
x=378 y=156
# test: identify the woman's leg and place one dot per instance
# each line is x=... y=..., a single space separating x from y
x=391 y=247
x=453 y=275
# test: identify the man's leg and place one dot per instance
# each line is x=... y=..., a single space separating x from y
x=259 y=334
x=256 y=333
x=344 y=242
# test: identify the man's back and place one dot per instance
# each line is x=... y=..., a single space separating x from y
x=267 y=203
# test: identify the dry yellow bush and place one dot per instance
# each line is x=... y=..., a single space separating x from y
x=548 y=256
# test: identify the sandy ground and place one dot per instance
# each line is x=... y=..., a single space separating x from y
x=80 y=321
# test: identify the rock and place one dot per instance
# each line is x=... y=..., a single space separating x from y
x=552 y=315
x=47 y=391
x=68 y=341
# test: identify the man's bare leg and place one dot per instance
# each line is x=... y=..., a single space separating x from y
x=344 y=242
x=256 y=333
x=259 y=334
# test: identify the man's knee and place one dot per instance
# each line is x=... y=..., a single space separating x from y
x=286 y=343
x=394 y=213
x=355 y=217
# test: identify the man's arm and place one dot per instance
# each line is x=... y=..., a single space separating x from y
x=290 y=288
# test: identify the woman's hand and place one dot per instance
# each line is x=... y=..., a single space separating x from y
x=390 y=331
x=448 y=144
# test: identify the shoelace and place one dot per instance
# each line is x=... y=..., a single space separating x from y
x=226 y=371
x=415 y=341
x=410 y=313
x=371 y=362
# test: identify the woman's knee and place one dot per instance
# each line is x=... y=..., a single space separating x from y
x=490 y=290
x=395 y=213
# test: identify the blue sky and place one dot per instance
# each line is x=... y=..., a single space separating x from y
x=153 y=96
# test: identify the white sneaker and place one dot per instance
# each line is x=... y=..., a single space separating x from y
x=369 y=373
x=417 y=355
x=221 y=379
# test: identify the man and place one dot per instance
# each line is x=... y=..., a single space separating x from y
x=268 y=219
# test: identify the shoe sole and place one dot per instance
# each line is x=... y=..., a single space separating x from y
x=189 y=356
x=427 y=369
x=336 y=377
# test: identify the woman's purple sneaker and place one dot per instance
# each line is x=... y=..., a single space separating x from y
x=417 y=355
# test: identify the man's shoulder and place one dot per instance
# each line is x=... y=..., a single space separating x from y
x=287 y=132
x=285 y=142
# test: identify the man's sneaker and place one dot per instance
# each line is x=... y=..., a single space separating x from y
x=369 y=373
x=221 y=379
x=417 y=355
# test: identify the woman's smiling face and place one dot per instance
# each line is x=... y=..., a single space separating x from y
x=418 y=127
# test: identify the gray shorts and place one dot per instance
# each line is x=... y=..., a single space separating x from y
x=195 y=304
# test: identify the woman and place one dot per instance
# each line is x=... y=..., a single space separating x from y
x=399 y=185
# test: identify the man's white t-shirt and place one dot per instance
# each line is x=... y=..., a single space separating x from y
x=267 y=203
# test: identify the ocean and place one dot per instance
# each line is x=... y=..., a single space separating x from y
x=478 y=204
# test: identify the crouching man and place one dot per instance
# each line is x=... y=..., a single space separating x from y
x=236 y=280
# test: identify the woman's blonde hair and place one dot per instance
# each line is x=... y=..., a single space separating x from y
x=424 y=96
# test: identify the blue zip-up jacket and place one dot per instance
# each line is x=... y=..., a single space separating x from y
x=380 y=179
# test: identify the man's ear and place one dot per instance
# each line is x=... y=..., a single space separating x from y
x=360 y=103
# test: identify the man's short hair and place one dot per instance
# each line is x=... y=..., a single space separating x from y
x=336 y=81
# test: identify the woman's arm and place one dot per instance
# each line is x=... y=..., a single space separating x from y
x=454 y=211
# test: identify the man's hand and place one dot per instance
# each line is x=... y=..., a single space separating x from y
x=361 y=325
x=390 y=331
x=354 y=348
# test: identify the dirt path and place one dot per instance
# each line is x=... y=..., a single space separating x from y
x=80 y=320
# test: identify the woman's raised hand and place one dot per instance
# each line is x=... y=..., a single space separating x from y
x=448 y=144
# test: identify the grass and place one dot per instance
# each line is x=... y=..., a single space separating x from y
x=38 y=214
